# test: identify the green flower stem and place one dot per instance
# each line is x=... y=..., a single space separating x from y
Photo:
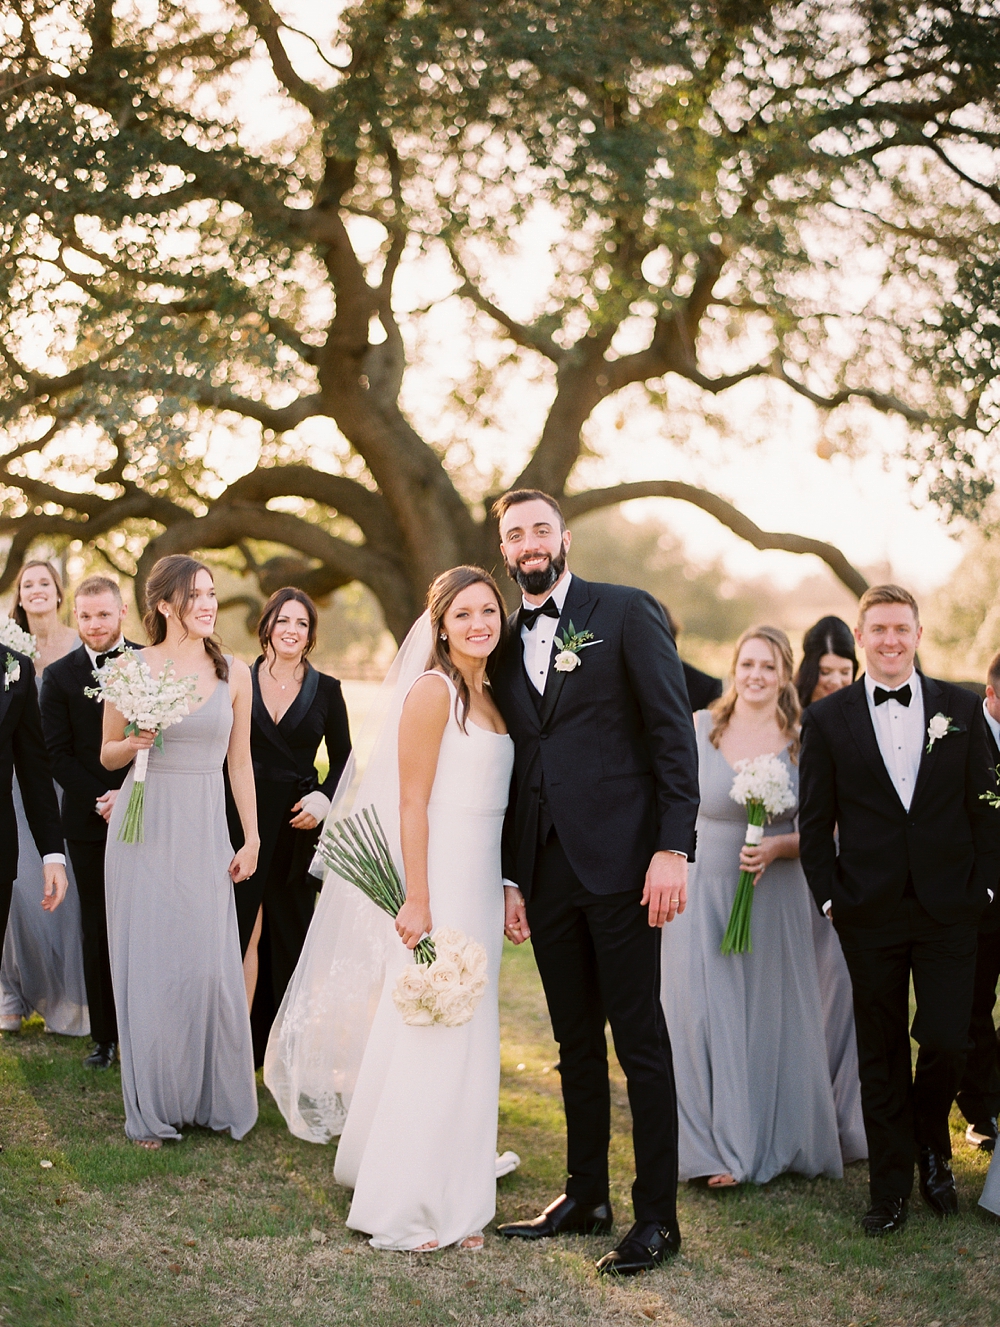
x=737 y=939
x=357 y=849
x=131 y=830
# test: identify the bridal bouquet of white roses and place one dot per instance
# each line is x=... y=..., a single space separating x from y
x=148 y=704
x=448 y=975
x=15 y=638
x=763 y=787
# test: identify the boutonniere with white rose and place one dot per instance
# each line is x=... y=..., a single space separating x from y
x=11 y=671
x=940 y=726
x=569 y=647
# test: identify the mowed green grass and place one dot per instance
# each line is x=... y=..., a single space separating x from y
x=214 y=1232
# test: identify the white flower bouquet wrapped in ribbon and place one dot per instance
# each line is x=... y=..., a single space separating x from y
x=149 y=705
x=15 y=638
x=448 y=977
x=763 y=787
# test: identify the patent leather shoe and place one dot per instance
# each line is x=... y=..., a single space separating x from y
x=982 y=1134
x=102 y=1056
x=885 y=1217
x=563 y=1217
x=937 y=1183
x=643 y=1248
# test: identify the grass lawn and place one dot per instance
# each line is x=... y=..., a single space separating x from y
x=213 y=1232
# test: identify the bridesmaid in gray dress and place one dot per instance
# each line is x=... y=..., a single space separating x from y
x=753 y=1083
x=184 y=1029
x=42 y=966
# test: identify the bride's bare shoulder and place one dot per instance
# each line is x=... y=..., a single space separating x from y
x=429 y=698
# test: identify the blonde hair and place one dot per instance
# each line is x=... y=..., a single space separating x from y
x=789 y=707
x=886 y=594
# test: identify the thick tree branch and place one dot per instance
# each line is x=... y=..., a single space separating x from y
x=531 y=338
x=268 y=25
x=368 y=510
x=577 y=504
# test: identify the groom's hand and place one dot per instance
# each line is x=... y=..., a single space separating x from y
x=666 y=887
x=515 y=915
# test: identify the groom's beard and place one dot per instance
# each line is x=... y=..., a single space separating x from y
x=537 y=582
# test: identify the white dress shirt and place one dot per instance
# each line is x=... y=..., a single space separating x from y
x=900 y=731
x=538 y=641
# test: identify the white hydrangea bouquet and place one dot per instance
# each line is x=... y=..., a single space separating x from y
x=448 y=976
x=148 y=704
x=15 y=638
x=763 y=787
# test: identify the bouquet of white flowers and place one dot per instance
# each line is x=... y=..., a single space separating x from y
x=148 y=704
x=16 y=638
x=763 y=787
x=449 y=973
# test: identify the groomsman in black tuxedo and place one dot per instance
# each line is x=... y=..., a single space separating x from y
x=72 y=724
x=978 y=1094
x=22 y=751
x=896 y=764
x=600 y=831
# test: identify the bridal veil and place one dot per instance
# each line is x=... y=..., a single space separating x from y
x=318 y=1039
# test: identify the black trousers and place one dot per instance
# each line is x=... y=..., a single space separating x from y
x=599 y=961
x=978 y=1093
x=903 y=1109
x=87 y=856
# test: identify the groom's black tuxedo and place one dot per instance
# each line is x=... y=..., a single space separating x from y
x=608 y=751
x=22 y=750
x=72 y=722
x=908 y=888
x=605 y=774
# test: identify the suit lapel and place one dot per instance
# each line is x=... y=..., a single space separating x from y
x=859 y=721
x=577 y=609
x=518 y=677
x=933 y=699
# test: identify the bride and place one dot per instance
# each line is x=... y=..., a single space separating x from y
x=416 y=1107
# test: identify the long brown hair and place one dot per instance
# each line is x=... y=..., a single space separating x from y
x=19 y=615
x=789 y=708
x=172 y=581
x=440 y=598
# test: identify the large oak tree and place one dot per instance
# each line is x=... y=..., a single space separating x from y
x=721 y=173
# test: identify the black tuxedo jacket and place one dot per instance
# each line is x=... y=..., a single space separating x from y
x=948 y=841
x=990 y=920
x=22 y=749
x=702 y=688
x=611 y=743
x=72 y=723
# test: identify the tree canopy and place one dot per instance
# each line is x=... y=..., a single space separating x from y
x=803 y=193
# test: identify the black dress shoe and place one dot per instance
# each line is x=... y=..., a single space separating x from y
x=885 y=1217
x=937 y=1183
x=643 y=1248
x=102 y=1056
x=563 y=1217
x=982 y=1135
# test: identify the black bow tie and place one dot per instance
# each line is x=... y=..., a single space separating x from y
x=102 y=659
x=904 y=695
x=527 y=617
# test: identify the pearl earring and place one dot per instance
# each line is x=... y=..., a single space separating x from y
x=443 y=636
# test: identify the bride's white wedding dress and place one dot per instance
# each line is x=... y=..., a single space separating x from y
x=418 y=1144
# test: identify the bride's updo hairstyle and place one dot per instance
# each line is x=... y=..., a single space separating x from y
x=789 y=708
x=440 y=598
x=172 y=581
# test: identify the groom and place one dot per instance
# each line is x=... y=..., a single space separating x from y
x=902 y=852
x=599 y=833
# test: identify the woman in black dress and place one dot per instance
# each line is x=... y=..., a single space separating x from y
x=295 y=707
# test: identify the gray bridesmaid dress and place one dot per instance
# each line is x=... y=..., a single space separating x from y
x=750 y=1058
x=184 y=1029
